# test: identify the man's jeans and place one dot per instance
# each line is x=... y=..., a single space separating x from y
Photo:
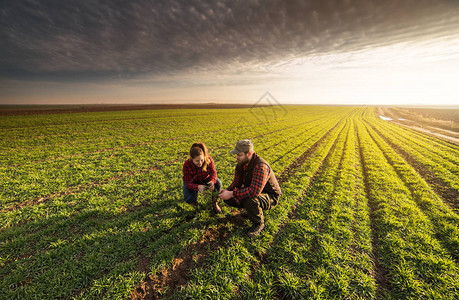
x=191 y=196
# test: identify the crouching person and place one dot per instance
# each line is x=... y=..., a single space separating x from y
x=199 y=173
x=254 y=187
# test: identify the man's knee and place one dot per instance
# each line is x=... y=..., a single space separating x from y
x=251 y=203
x=233 y=203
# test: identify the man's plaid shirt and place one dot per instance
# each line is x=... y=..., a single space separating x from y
x=194 y=176
x=259 y=179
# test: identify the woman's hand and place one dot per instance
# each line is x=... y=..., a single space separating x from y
x=211 y=185
x=201 y=188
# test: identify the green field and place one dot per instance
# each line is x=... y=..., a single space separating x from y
x=92 y=208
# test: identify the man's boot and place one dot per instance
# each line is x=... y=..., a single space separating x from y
x=256 y=230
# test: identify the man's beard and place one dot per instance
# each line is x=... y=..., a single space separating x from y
x=243 y=162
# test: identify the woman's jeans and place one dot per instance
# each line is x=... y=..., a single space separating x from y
x=191 y=196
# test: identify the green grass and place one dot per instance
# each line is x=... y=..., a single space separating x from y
x=91 y=204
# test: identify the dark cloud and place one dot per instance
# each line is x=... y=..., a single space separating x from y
x=84 y=40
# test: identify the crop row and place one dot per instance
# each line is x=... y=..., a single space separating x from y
x=47 y=209
x=441 y=161
x=350 y=274
x=433 y=148
x=77 y=139
x=119 y=170
x=444 y=220
x=413 y=260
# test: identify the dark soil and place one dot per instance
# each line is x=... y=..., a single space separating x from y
x=165 y=281
x=12 y=110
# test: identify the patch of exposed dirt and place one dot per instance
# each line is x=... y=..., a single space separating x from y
x=144 y=263
x=63 y=109
x=421 y=125
x=442 y=134
x=164 y=282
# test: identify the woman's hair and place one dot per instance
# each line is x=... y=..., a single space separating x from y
x=200 y=149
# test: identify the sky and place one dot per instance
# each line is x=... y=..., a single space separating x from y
x=370 y=52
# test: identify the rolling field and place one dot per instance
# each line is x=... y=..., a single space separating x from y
x=92 y=207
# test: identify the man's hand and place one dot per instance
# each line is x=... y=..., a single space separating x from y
x=225 y=194
x=201 y=188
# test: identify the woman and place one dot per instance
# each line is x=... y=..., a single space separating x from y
x=199 y=173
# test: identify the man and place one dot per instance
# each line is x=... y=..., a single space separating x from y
x=254 y=186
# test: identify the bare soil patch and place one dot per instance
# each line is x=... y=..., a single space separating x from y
x=164 y=282
x=445 y=135
x=423 y=124
x=12 y=110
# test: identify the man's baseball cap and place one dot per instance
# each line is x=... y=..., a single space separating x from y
x=243 y=146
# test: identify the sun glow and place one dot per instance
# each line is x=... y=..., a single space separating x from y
x=405 y=73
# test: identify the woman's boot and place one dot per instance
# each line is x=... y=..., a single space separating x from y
x=215 y=206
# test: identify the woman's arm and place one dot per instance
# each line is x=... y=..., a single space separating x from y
x=188 y=176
